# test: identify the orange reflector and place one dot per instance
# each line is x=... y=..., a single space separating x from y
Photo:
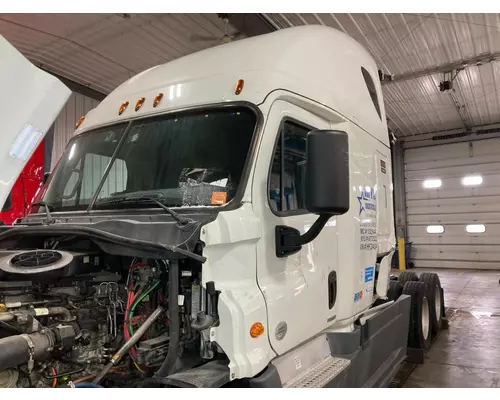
x=79 y=122
x=239 y=86
x=123 y=107
x=157 y=99
x=139 y=103
x=256 y=330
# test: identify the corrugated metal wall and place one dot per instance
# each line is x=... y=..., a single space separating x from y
x=453 y=206
x=64 y=126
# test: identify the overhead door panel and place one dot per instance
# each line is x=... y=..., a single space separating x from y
x=452 y=222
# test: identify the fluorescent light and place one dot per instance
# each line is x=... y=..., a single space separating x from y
x=472 y=180
x=432 y=183
x=435 y=229
x=475 y=228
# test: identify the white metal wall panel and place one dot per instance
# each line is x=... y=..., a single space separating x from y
x=64 y=126
x=453 y=205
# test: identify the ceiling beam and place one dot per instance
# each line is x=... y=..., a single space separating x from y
x=77 y=87
x=456 y=65
x=251 y=24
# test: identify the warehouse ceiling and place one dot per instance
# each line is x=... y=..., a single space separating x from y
x=412 y=47
x=101 y=51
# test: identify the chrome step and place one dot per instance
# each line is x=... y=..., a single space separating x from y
x=320 y=373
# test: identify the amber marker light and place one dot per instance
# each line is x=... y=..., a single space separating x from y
x=239 y=86
x=139 y=103
x=123 y=107
x=157 y=99
x=256 y=330
x=79 y=122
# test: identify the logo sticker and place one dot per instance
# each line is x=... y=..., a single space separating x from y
x=369 y=273
x=367 y=199
x=358 y=296
x=281 y=330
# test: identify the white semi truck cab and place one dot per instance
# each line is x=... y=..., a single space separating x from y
x=223 y=219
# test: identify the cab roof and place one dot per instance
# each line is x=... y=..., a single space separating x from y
x=317 y=62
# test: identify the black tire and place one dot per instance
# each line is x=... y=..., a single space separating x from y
x=434 y=296
x=395 y=290
x=408 y=276
x=419 y=335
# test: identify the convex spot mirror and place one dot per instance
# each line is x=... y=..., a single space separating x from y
x=327 y=172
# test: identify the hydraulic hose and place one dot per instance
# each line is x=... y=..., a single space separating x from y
x=175 y=322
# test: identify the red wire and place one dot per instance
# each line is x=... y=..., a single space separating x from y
x=54 y=380
x=137 y=265
x=130 y=300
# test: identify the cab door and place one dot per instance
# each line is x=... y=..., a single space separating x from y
x=31 y=100
x=299 y=289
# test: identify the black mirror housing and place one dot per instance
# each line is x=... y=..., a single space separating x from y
x=327 y=173
x=327 y=188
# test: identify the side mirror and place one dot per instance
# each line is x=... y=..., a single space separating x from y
x=327 y=173
x=327 y=188
x=45 y=177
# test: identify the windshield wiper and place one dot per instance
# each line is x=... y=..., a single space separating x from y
x=139 y=199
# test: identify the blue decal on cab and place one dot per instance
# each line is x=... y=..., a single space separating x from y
x=369 y=273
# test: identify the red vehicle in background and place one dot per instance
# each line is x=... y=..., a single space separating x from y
x=26 y=188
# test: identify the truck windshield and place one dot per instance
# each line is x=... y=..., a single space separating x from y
x=189 y=159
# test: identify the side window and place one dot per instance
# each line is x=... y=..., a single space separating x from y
x=287 y=180
x=372 y=90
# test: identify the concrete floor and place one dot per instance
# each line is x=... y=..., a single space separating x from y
x=468 y=354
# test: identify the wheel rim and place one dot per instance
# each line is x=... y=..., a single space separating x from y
x=425 y=319
x=437 y=303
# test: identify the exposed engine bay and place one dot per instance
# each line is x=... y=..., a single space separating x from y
x=71 y=313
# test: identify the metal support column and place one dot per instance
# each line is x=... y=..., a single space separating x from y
x=399 y=193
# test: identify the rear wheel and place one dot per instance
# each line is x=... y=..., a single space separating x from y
x=395 y=290
x=419 y=335
x=407 y=276
x=435 y=301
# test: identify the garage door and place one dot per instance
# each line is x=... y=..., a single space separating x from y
x=453 y=204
